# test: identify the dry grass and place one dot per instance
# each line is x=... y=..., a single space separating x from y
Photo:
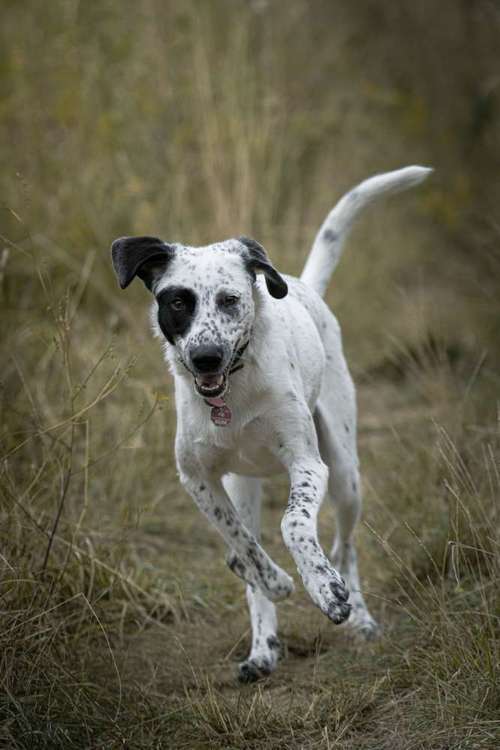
x=121 y=626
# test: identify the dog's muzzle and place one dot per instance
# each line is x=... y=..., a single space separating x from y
x=206 y=360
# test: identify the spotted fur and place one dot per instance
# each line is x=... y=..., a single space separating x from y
x=292 y=403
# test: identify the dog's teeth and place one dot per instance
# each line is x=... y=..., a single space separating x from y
x=209 y=388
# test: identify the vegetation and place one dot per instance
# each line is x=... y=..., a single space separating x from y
x=121 y=626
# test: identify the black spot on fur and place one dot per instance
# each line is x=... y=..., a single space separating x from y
x=329 y=235
x=338 y=591
x=273 y=643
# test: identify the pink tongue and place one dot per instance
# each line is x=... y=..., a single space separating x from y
x=217 y=401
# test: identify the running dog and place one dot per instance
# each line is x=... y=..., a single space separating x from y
x=262 y=386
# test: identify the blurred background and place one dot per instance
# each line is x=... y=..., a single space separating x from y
x=197 y=121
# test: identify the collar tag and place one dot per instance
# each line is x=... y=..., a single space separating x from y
x=221 y=415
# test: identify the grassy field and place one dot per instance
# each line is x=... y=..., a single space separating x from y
x=120 y=625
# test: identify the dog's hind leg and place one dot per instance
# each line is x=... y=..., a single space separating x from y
x=245 y=494
x=337 y=444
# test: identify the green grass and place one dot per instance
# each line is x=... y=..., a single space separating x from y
x=120 y=624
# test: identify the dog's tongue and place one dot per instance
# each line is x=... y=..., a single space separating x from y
x=217 y=401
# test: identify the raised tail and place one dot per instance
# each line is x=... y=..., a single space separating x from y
x=328 y=244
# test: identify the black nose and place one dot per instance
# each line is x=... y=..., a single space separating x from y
x=207 y=357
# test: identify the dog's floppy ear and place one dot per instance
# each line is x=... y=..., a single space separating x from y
x=145 y=257
x=256 y=261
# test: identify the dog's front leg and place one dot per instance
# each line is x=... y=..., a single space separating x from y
x=298 y=451
x=251 y=562
x=299 y=529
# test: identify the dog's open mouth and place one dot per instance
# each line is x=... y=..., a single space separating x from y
x=211 y=386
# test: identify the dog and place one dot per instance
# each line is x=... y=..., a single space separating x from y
x=261 y=387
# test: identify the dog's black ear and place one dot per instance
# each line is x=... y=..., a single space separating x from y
x=256 y=261
x=146 y=257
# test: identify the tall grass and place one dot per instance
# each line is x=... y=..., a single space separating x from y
x=198 y=121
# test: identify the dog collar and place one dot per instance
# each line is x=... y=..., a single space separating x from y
x=237 y=365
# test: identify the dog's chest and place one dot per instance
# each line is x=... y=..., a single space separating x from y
x=235 y=449
x=250 y=457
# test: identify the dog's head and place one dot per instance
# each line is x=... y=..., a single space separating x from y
x=204 y=296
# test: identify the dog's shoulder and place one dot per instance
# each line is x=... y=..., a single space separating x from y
x=302 y=313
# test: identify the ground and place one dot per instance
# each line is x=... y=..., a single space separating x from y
x=405 y=691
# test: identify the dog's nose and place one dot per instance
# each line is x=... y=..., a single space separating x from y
x=207 y=357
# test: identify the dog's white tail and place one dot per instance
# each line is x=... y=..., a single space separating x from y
x=328 y=244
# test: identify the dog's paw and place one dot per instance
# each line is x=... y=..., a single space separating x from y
x=252 y=670
x=262 y=661
x=329 y=592
x=362 y=625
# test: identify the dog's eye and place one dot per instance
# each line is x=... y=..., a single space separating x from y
x=230 y=300
x=177 y=304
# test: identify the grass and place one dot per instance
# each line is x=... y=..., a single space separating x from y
x=121 y=626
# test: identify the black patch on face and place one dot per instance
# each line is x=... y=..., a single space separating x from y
x=176 y=306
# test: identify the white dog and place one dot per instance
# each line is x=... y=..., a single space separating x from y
x=262 y=386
